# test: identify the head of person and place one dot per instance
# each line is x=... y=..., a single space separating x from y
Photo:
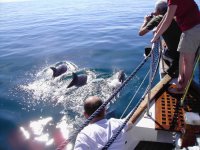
x=161 y=7
x=91 y=104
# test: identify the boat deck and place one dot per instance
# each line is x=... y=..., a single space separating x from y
x=169 y=112
x=146 y=145
x=167 y=117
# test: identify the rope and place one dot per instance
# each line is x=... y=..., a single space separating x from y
x=189 y=82
x=135 y=94
x=62 y=146
x=155 y=47
x=162 y=60
x=199 y=72
x=198 y=53
x=154 y=66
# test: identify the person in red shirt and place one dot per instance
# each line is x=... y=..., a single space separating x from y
x=188 y=18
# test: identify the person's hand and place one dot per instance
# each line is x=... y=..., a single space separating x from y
x=154 y=30
x=147 y=18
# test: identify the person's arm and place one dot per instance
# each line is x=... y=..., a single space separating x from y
x=166 y=22
x=143 y=30
x=129 y=124
x=159 y=25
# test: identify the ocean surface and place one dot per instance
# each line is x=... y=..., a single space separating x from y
x=93 y=37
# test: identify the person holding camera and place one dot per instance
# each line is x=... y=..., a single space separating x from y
x=171 y=36
x=188 y=18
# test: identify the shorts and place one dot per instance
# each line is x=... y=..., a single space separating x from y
x=190 y=40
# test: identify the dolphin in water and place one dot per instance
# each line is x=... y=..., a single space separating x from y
x=121 y=76
x=57 y=71
x=78 y=80
x=118 y=79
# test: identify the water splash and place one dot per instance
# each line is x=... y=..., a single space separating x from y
x=44 y=88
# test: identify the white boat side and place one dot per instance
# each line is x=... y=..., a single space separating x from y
x=144 y=126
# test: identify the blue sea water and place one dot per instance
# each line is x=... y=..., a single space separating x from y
x=99 y=36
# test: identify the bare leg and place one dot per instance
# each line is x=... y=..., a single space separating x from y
x=187 y=65
x=181 y=71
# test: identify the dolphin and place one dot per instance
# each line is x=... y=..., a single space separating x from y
x=78 y=80
x=121 y=76
x=118 y=79
x=57 y=71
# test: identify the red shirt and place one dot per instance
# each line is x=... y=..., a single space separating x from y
x=187 y=13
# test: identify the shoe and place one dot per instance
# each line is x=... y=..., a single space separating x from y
x=175 y=91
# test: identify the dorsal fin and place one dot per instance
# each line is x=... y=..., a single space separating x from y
x=54 y=70
x=73 y=82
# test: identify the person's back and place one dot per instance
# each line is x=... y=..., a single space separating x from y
x=171 y=35
x=187 y=13
x=96 y=135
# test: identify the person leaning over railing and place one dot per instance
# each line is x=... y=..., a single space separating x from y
x=188 y=18
x=171 y=36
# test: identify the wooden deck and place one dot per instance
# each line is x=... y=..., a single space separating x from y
x=169 y=112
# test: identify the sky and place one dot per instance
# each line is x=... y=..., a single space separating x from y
x=7 y=1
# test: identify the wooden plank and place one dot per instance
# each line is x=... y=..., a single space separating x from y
x=154 y=92
x=169 y=113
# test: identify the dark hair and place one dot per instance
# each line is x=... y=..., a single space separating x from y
x=90 y=108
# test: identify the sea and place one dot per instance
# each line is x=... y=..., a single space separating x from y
x=97 y=38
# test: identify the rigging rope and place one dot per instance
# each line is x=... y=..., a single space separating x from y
x=135 y=94
x=155 y=48
x=62 y=146
x=199 y=71
x=162 y=50
x=189 y=82
x=198 y=53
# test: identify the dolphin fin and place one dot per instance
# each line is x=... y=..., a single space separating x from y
x=54 y=70
x=74 y=78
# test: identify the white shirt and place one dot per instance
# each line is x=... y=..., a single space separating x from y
x=96 y=135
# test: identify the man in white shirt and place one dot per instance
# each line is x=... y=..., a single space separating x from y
x=100 y=130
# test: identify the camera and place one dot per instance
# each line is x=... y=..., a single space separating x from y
x=151 y=16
